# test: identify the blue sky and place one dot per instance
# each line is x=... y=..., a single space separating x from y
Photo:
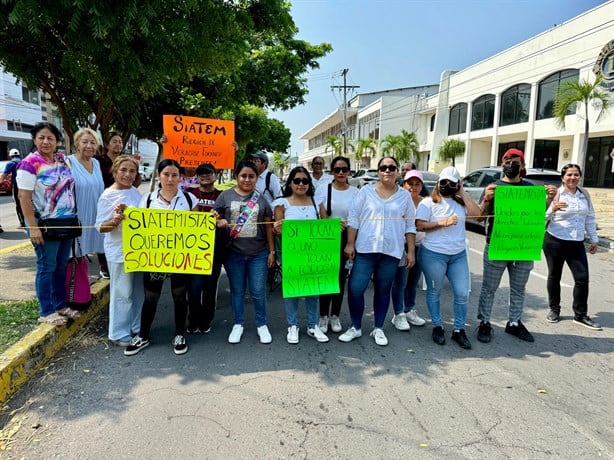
x=389 y=44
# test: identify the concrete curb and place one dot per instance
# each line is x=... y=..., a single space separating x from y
x=22 y=360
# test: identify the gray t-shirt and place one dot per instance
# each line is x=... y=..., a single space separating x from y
x=252 y=238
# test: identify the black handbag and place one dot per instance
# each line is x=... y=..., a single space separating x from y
x=64 y=228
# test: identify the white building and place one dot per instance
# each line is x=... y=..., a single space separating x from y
x=506 y=101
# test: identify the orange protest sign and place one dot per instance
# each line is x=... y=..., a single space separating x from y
x=192 y=141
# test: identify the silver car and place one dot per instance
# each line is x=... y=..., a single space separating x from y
x=364 y=177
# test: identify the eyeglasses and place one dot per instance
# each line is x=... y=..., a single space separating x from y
x=341 y=169
x=299 y=181
x=384 y=168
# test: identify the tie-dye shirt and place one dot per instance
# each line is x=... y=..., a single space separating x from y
x=51 y=183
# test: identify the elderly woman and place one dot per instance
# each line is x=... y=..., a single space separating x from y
x=46 y=191
x=443 y=253
x=126 y=289
x=88 y=188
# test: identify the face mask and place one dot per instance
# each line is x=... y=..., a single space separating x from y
x=511 y=171
x=447 y=190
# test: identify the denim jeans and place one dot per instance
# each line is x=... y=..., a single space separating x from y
x=247 y=271
x=51 y=261
x=126 y=299
x=405 y=287
x=436 y=268
x=383 y=268
x=311 y=305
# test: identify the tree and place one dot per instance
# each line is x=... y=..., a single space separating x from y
x=280 y=160
x=365 y=149
x=450 y=149
x=391 y=144
x=582 y=92
x=408 y=147
x=334 y=144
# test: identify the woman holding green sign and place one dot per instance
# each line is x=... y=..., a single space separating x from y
x=298 y=204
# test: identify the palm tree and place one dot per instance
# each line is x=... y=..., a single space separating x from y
x=334 y=144
x=408 y=147
x=391 y=145
x=450 y=149
x=365 y=148
x=582 y=92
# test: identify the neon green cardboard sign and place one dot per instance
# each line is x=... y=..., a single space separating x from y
x=520 y=223
x=310 y=257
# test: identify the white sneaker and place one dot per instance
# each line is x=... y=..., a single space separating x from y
x=264 y=334
x=335 y=324
x=414 y=319
x=379 y=336
x=317 y=334
x=400 y=322
x=323 y=324
x=235 y=334
x=292 y=336
x=351 y=334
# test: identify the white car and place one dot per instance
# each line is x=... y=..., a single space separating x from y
x=146 y=172
x=364 y=177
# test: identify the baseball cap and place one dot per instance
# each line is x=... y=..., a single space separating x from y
x=14 y=153
x=450 y=173
x=205 y=168
x=513 y=153
x=413 y=173
x=260 y=154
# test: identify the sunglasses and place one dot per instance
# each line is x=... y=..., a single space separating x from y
x=384 y=168
x=299 y=181
x=341 y=169
x=446 y=182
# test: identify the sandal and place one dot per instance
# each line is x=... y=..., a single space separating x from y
x=54 y=319
x=69 y=313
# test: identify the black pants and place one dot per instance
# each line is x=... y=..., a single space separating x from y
x=558 y=252
x=336 y=299
x=202 y=296
x=153 y=283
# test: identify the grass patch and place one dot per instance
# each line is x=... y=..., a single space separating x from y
x=16 y=320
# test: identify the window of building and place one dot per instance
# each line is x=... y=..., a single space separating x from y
x=546 y=154
x=30 y=95
x=505 y=146
x=548 y=89
x=458 y=119
x=483 y=112
x=515 y=105
x=432 y=128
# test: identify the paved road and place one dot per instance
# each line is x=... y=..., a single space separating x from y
x=507 y=399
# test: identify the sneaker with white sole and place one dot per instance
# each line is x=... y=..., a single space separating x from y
x=136 y=344
x=335 y=324
x=379 y=337
x=323 y=324
x=414 y=319
x=292 y=336
x=400 y=322
x=317 y=334
x=179 y=345
x=235 y=334
x=264 y=334
x=351 y=334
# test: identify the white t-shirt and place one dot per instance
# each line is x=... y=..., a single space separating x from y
x=106 y=208
x=274 y=190
x=444 y=240
x=178 y=202
x=310 y=211
x=324 y=179
x=340 y=200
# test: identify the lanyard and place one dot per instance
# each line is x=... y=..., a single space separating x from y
x=247 y=211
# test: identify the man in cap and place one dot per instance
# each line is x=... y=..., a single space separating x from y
x=513 y=166
x=11 y=170
x=268 y=183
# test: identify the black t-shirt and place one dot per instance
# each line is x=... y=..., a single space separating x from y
x=490 y=207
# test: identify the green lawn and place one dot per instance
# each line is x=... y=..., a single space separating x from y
x=16 y=320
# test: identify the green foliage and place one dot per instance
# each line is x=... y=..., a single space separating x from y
x=365 y=150
x=16 y=320
x=450 y=149
x=583 y=92
x=334 y=144
x=403 y=147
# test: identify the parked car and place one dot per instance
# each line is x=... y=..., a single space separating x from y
x=430 y=180
x=476 y=181
x=6 y=186
x=364 y=177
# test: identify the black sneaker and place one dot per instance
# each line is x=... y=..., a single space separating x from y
x=484 y=332
x=586 y=321
x=439 y=336
x=553 y=317
x=136 y=344
x=179 y=345
x=193 y=330
x=461 y=338
x=519 y=331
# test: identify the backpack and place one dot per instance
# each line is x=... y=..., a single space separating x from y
x=186 y=194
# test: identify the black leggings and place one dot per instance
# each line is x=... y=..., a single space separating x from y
x=336 y=299
x=153 y=283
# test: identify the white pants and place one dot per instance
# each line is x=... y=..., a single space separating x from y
x=126 y=299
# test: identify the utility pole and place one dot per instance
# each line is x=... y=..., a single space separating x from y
x=345 y=87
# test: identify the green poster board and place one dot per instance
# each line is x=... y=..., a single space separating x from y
x=520 y=223
x=310 y=252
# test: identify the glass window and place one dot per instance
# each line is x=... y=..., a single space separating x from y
x=483 y=112
x=515 y=105
x=432 y=128
x=458 y=119
x=547 y=92
x=472 y=180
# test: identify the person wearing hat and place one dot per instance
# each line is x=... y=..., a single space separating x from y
x=513 y=167
x=202 y=294
x=268 y=183
x=444 y=252
x=11 y=170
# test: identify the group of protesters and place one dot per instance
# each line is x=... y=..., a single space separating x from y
x=391 y=234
